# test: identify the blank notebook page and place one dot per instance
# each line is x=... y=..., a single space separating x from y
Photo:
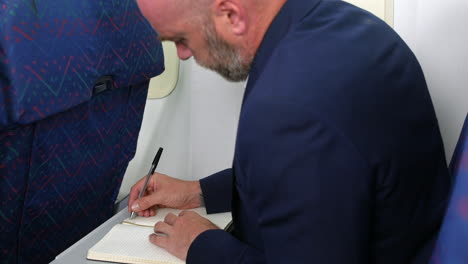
x=136 y=249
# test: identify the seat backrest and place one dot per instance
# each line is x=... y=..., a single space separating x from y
x=73 y=85
x=53 y=53
x=452 y=244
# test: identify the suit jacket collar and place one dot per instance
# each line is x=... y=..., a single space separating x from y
x=292 y=12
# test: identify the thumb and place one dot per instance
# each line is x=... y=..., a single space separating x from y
x=144 y=203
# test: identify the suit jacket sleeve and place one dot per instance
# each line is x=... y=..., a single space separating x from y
x=217 y=191
x=309 y=186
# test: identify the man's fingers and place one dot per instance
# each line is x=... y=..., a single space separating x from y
x=152 y=211
x=145 y=202
x=170 y=218
x=162 y=227
x=135 y=191
x=146 y=213
x=160 y=241
x=133 y=196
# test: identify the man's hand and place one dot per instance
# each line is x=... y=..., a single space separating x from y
x=164 y=191
x=179 y=232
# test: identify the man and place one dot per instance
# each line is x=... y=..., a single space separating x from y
x=338 y=154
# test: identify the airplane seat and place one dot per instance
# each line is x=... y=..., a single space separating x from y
x=451 y=246
x=73 y=86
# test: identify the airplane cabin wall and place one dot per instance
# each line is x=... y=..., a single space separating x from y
x=196 y=125
x=437 y=32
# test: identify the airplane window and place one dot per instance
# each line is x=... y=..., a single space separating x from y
x=162 y=85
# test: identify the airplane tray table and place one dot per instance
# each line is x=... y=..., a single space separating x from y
x=76 y=254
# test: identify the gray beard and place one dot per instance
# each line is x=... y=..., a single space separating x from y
x=225 y=59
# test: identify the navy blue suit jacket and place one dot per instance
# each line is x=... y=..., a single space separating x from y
x=338 y=155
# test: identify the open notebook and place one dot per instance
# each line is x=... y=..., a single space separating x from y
x=128 y=242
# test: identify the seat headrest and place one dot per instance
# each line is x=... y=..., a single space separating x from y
x=53 y=52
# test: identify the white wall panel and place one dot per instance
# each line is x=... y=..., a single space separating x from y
x=381 y=8
x=436 y=31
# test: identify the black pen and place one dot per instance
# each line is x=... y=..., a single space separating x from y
x=229 y=227
x=151 y=171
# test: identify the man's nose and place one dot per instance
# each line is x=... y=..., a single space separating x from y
x=183 y=52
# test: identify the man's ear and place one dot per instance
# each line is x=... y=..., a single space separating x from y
x=231 y=16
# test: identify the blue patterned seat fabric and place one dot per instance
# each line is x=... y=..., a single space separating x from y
x=452 y=244
x=64 y=147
